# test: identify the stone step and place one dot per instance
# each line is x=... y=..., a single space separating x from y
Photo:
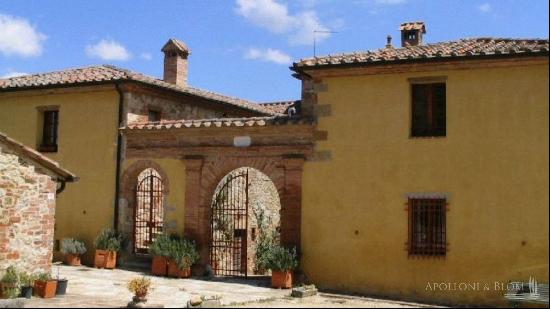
x=139 y=263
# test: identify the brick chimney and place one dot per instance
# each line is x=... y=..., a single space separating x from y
x=411 y=33
x=175 y=62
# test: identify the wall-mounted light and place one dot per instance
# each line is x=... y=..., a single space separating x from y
x=242 y=141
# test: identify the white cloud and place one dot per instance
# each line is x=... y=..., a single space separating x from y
x=269 y=55
x=13 y=74
x=485 y=7
x=275 y=17
x=305 y=32
x=108 y=50
x=19 y=37
x=146 y=56
x=267 y=13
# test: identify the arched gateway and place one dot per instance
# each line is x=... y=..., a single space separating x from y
x=209 y=151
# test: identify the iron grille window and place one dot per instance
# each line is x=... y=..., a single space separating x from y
x=429 y=115
x=427 y=227
x=49 y=131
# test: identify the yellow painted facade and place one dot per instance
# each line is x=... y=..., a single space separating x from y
x=493 y=164
x=88 y=124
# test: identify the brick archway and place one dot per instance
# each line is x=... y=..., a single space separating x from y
x=204 y=174
x=128 y=196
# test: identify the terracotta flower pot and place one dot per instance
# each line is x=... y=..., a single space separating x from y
x=281 y=279
x=175 y=272
x=72 y=260
x=105 y=259
x=45 y=289
x=159 y=266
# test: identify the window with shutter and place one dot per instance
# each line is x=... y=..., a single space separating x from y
x=429 y=111
x=49 y=131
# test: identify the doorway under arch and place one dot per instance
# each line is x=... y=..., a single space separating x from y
x=149 y=210
x=245 y=213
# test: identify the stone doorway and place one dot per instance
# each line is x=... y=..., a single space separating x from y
x=245 y=215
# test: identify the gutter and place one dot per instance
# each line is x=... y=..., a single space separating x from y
x=118 y=154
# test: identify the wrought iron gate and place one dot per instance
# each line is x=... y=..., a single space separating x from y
x=148 y=216
x=229 y=224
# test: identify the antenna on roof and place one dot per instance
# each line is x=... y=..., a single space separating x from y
x=315 y=39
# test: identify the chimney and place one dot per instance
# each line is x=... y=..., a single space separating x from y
x=411 y=33
x=388 y=41
x=175 y=62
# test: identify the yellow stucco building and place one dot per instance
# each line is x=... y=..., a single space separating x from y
x=417 y=172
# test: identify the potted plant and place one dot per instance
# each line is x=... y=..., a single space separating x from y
x=45 y=286
x=62 y=283
x=140 y=287
x=26 y=282
x=282 y=262
x=107 y=244
x=182 y=255
x=160 y=251
x=9 y=284
x=72 y=249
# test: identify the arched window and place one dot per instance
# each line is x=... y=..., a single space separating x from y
x=149 y=210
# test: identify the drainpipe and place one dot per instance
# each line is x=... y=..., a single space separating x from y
x=61 y=186
x=118 y=153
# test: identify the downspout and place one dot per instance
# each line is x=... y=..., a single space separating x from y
x=118 y=154
x=61 y=186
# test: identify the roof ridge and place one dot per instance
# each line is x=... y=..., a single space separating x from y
x=58 y=71
x=464 y=47
x=111 y=73
x=370 y=51
x=208 y=119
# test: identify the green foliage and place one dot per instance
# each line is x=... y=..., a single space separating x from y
x=44 y=277
x=184 y=252
x=72 y=246
x=10 y=283
x=26 y=279
x=266 y=241
x=110 y=240
x=161 y=245
x=281 y=259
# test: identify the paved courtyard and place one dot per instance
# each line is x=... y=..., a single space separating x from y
x=89 y=287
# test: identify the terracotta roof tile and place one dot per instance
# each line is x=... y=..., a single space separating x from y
x=478 y=47
x=218 y=123
x=415 y=25
x=13 y=146
x=108 y=73
x=177 y=44
x=280 y=107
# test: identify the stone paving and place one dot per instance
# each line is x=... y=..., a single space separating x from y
x=90 y=287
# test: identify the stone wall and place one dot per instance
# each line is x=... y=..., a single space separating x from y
x=27 y=210
x=263 y=204
x=188 y=107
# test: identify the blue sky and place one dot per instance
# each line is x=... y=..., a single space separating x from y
x=238 y=47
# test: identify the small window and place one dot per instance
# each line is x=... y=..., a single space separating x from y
x=154 y=116
x=49 y=131
x=427 y=227
x=429 y=115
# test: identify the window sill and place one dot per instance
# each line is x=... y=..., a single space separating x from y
x=43 y=148
x=427 y=137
